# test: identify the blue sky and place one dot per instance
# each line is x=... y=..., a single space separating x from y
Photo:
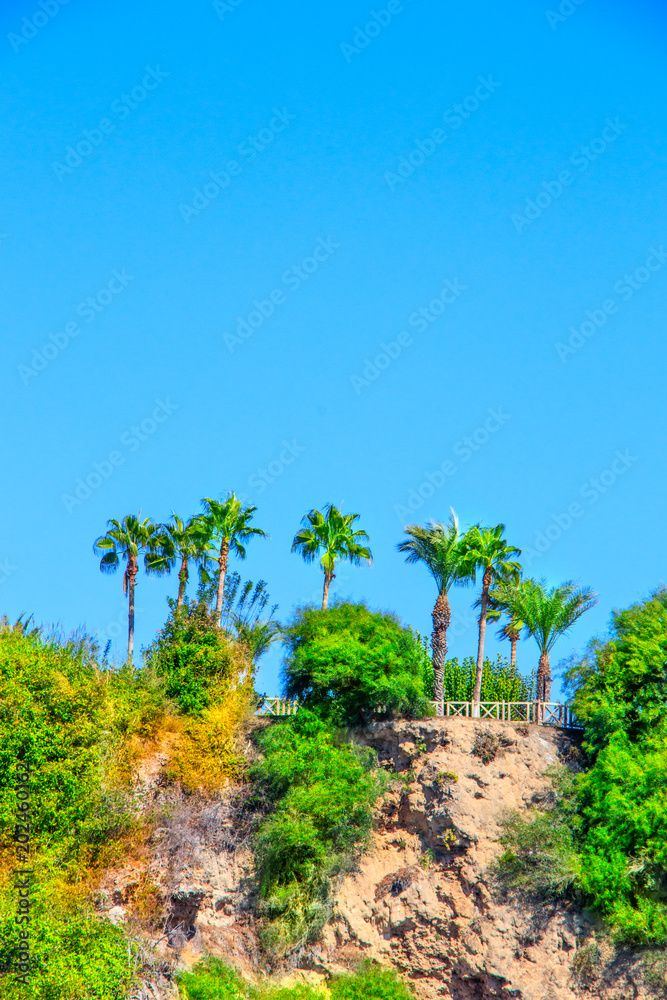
x=404 y=258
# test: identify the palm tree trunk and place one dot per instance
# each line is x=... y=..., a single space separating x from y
x=513 y=641
x=544 y=678
x=131 y=577
x=477 y=691
x=222 y=572
x=328 y=577
x=442 y=616
x=182 y=582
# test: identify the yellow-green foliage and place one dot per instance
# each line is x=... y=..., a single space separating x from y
x=213 y=980
x=207 y=754
x=79 y=731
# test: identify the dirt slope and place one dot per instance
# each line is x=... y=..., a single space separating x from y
x=421 y=899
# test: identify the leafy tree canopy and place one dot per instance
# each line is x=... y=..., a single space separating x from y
x=348 y=662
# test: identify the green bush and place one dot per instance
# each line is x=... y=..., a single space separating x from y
x=195 y=658
x=371 y=983
x=58 y=714
x=73 y=955
x=213 y=980
x=539 y=854
x=499 y=681
x=607 y=836
x=347 y=663
x=322 y=791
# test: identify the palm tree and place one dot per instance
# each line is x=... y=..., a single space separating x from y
x=332 y=533
x=439 y=547
x=242 y=615
x=547 y=615
x=487 y=549
x=512 y=628
x=184 y=540
x=128 y=540
x=227 y=522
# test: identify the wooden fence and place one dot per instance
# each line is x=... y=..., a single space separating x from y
x=543 y=713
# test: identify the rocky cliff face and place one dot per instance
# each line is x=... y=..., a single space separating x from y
x=422 y=899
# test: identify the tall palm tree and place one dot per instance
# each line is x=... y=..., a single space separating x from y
x=184 y=540
x=227 y=522
x=547 y=615
x=127 y=540
x=331 y=533
x=486 y=549
x=439 y=547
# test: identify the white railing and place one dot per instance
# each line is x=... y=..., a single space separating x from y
x=277 y=706
x=543 y=713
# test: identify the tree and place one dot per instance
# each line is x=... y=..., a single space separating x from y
x=242 y=616
x=439 y=547
x=184 y=540
x=512 y=627
x=227 y=522
x=332 y=533
x=487 y=549
x=127 y=540
x=346 y=663
x=546 y=616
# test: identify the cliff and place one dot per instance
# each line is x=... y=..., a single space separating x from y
x=422 y=898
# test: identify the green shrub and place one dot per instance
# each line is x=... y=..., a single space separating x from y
x=539 y=856
x=347 y=663
x=500 y=682
x=620 y=684
x=195 y=658
x=607 y=835
x=213 y=980
x=323 y=791
x=74 y=956
x=371 y=983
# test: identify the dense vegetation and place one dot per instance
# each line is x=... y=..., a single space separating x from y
x=500 y=681
x=212 y=980
x=60 y=721
x=321 y=790
x=606 y=838
x=348 y=662
x=71 y=732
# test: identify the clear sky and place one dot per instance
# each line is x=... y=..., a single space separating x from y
x=354 y=246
